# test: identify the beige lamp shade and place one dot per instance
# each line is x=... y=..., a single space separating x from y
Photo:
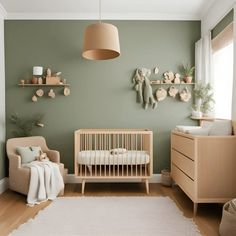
x=101 y=42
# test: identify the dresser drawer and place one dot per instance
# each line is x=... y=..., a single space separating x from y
x=183 y=163
x=183 y=145
x=185 y=183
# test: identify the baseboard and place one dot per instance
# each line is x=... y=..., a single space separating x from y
x=71 y=179
x=3 y=185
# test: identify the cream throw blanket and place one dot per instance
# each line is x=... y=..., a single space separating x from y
x=45 y=181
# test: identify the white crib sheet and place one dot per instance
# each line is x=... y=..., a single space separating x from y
x=104 y=157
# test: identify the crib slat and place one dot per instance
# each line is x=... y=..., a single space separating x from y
x=100 y=142
x=141 y=141
x=95 y=160
x=127 y=163
x=136 y=148
x=117 y=156
x=122 y=145
x=109 y=148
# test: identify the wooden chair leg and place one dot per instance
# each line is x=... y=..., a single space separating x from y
x=147 y=186
x=195 y=205
x=83 y=186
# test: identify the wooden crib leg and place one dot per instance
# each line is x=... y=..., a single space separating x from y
x=83 y=186
x=195 y=205
x=147 y=186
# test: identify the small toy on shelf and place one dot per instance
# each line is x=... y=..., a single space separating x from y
x=168 y=77
x=34 y=80
x=177 y=78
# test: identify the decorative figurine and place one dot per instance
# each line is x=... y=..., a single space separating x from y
x=48 y=72
x=51 y=93
x=185 y=95
x=161 y=94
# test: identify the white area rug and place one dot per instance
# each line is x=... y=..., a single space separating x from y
x=110 y=216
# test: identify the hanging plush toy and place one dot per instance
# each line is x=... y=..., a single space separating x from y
x=147 y=92
x=42 y=156
x=138 y=80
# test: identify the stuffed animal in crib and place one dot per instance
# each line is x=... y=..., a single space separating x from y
x=42 y=156
x=147 y=92
x=138 y=80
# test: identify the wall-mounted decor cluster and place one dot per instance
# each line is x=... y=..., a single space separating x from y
x=48 y=80
x=173 y=80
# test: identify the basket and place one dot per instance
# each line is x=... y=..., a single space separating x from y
x=166 y=179
x=228 y=221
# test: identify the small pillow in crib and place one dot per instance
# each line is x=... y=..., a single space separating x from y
x=118 y=151
x=28 y=154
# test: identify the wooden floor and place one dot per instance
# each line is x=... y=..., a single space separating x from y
x=14 y=212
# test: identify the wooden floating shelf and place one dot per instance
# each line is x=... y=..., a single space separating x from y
x=44 y=85
x=153 y=83
x=202 y=118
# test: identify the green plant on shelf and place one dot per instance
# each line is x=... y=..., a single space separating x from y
x=204 y=95
x=186 y=70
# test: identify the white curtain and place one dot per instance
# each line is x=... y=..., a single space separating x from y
x=203 y=60
x=234 y=76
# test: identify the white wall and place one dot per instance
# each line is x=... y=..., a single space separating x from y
x=2 y=96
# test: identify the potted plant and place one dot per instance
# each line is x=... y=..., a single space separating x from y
x=203 y=98
x=187 y=71
x=24 y=127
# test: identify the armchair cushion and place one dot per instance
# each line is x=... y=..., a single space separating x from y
x=28 y=154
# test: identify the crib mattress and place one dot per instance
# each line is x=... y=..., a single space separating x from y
x=104 y=157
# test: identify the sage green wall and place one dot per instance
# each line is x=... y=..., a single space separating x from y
x=101 y=91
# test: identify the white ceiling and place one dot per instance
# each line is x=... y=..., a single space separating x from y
x=111 y=9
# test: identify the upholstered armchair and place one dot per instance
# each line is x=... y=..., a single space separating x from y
x=19 y=177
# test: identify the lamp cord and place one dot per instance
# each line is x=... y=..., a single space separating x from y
x=100 y=8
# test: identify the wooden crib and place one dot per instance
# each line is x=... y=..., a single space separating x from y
x=113 y=154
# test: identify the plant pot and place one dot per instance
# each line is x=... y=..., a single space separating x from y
x=196 y=114
x=34 y=80
x=188 y=79
x=198 y=104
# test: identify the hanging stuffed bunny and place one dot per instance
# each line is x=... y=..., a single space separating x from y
x=147 y=93
x=138 y=80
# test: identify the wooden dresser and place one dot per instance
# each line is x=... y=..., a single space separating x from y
x=204 y=167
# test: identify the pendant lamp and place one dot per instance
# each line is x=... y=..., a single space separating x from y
x=101 y=41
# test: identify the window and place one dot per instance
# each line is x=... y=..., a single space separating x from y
x=222 y=46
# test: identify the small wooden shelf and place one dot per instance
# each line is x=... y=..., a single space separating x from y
x=153 y=83
x=44 y=85
x=202 y=118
